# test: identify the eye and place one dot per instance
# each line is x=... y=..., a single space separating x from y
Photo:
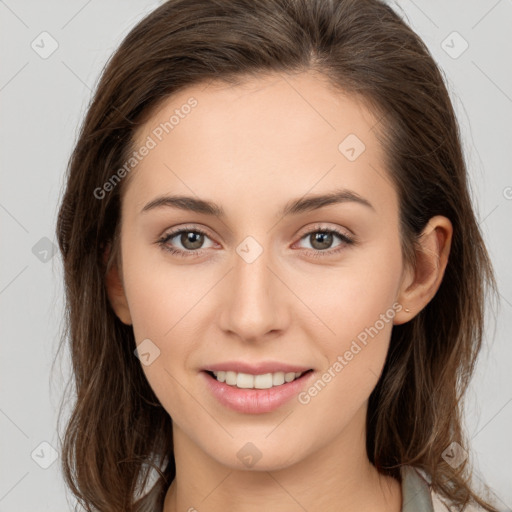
x=321 y=240
x=191 y=239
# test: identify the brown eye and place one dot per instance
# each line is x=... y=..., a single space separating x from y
x=191 y=240
x=184 y=242
x=321 y=240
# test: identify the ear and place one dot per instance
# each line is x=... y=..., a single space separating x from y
x=115 y=290
x=420 y=284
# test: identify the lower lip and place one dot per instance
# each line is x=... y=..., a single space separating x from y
x=255 y=401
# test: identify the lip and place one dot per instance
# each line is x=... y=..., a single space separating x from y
x=255 y=401
x=256 y=368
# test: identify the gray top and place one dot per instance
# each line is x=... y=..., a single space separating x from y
x=416 y=494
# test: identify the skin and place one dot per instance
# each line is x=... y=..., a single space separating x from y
x=251 y=148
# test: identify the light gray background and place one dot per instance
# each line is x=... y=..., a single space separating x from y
x=43 y=101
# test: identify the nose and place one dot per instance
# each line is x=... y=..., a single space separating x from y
x=254 y=299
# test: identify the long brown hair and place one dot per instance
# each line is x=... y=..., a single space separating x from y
x=118 y=430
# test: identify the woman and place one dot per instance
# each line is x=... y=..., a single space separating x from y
x=208 y=342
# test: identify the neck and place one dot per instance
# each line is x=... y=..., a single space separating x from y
x=338 y=477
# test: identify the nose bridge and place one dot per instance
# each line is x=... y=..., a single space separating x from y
x=254 y=301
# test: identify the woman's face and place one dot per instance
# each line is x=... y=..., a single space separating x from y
x=263 y=290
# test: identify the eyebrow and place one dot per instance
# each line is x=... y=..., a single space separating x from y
x=293 y=207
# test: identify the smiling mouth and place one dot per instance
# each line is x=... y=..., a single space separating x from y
x=248 y=381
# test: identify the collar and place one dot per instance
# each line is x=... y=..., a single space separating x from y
x=416 y=494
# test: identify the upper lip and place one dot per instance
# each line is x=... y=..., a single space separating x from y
x=256 y=368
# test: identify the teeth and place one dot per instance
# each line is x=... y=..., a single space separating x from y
x=248 y=381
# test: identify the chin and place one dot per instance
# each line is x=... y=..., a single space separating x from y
x=254 y=456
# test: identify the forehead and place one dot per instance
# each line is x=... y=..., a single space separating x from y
x=273 y=134
x=305 y=102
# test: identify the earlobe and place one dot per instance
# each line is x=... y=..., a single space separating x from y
x=115 y=292
x=420 y=284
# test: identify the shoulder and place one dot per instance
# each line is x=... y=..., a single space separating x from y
x=439 y=502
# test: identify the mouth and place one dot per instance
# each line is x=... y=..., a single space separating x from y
x=261 y=381
x=248 y=393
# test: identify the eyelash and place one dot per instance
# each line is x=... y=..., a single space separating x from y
x=162 y=242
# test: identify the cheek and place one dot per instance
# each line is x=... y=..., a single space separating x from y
x=161 y=303
x=165 y=307
x=160 y=294
x=358 y=309
x=352 y=297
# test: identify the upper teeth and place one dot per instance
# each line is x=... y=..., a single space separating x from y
x=247 y=381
